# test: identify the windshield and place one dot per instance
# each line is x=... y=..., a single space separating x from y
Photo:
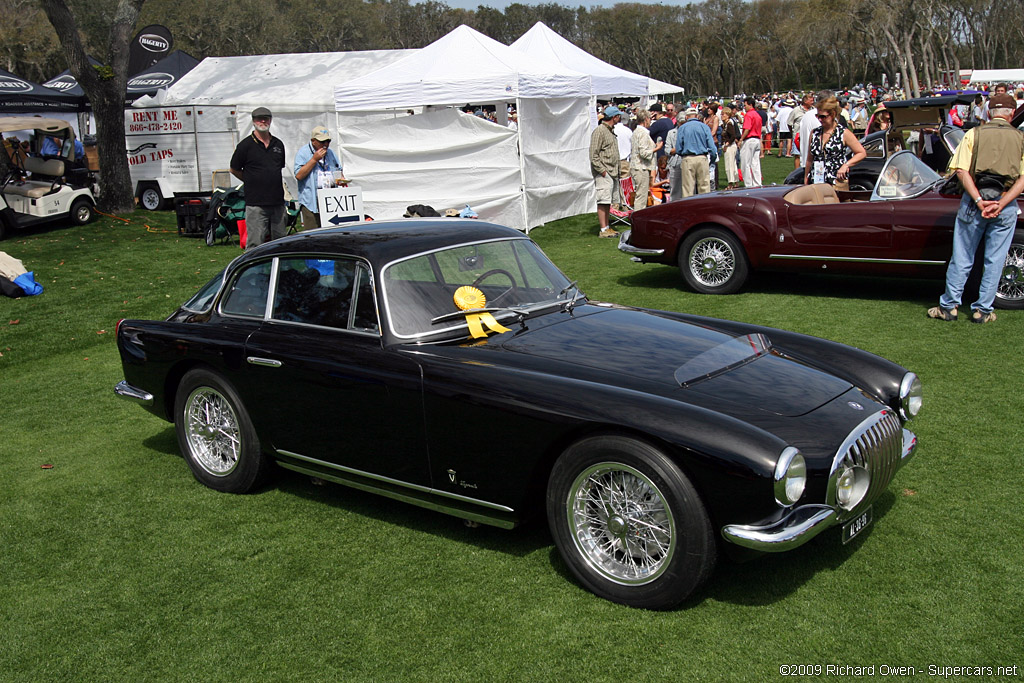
x=904 y=175
x=512 y=273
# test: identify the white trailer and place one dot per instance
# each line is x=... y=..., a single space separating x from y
x=178 y=149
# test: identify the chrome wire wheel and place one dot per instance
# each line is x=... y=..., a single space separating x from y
x=1011 y=282
x=621 y=523
x=712 y=261
x=212 y=431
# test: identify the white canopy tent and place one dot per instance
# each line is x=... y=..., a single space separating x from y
x=297 y=88
x=445 y=159
x=606 y=79
x=1011 y=76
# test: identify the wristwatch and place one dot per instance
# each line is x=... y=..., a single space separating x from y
x=977 y=200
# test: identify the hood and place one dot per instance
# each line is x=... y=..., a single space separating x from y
x=689 y=362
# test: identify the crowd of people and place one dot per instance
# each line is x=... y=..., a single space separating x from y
x=820 y=131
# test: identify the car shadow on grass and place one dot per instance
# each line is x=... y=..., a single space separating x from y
x=520 y=542
x=864 y=287
x=772 y=577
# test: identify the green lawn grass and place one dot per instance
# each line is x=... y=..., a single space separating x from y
x=117 y=565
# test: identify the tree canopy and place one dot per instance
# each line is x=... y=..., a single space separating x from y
x=725 y=46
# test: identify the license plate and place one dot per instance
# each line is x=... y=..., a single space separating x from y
x=854 y=527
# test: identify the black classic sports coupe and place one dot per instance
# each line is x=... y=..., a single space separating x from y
x=450 y=364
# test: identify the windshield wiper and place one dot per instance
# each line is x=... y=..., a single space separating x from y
x=520 y=313
x=568 y=287
x=577 y=295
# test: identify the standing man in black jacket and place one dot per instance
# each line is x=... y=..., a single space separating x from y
x=257 y=162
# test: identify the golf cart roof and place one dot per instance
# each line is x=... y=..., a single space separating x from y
x=49 y=126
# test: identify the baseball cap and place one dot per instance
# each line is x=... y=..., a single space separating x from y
x=320 y=134
x=262 y=111
x=690 y=111
x=655 y=107
x=1004 y=100
x=611 y=111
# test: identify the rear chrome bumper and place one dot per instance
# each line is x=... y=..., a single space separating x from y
x=627 y=248
x=127 y=391
x=802 y=523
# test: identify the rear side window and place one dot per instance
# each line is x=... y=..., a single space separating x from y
x=247 y=293
x=332 y=292
x=203 y=299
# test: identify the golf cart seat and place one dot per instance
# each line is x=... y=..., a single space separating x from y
x=46 y=175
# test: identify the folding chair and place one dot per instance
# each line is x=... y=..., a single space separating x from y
x=623 y=193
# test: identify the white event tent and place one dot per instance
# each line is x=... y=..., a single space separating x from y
x=606 y=79
x=297 y=88
x=997 y=76
x=446 y=158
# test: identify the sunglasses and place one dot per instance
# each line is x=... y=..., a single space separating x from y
x=822 y=117
x=262 y=119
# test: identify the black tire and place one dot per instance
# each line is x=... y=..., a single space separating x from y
x=216 y=435
x=654 y=564
x=81 y=211
x=713 y=261
x=150 y=197
x=1010 y=294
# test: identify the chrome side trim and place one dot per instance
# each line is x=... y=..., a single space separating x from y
x=265 y=362
x=396 y=482
x=854 y=259
x=125 y=390
x=627 y=248
x=793 y=530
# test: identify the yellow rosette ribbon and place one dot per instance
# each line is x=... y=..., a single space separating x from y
x=470 y=298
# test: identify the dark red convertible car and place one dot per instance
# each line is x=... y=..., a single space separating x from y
x=902 y=227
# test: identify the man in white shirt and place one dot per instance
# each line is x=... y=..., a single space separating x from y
x=784 y=109
x=809 y=124
x=624 y=136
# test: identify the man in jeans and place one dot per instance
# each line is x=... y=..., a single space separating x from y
x=257 y=162
x=988 y=209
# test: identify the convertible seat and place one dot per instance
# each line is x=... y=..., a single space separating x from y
x=36 y=187
x=818 y=193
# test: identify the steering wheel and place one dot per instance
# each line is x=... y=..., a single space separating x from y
x=498 y=271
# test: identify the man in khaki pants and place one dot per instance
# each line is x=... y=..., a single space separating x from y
x=697 y=149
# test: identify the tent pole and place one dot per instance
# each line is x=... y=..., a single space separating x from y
x=522 y=166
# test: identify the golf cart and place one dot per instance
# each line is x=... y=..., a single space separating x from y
x=47 y=180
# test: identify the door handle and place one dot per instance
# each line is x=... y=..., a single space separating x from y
x=265 y=362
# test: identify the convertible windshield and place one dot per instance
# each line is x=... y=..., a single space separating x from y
x=513 y=275
x=904 y=175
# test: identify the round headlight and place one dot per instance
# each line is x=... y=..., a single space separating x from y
x=790 y=477
x=910 y=396
x=851 y=487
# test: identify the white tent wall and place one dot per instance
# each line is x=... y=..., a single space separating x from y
x=444 y=159
x=465 y=66
x=556 y=158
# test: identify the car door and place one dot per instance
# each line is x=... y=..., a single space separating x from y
x=323 y=386
x=849 y=230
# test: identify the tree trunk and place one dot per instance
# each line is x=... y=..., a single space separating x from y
x=105 y=87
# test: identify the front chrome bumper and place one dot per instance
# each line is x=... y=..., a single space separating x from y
x=801 y=524
x=627 y=248
x=125 y=390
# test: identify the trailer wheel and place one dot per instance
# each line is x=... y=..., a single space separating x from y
x=150 y=197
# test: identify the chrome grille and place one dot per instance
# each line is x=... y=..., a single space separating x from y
x=877 y=446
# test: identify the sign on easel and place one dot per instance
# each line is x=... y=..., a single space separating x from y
x=339 y=205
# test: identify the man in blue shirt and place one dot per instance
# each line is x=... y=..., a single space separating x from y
x=315 y=166
x=696 y=147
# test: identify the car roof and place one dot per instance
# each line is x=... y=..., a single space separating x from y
x=381 y=242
